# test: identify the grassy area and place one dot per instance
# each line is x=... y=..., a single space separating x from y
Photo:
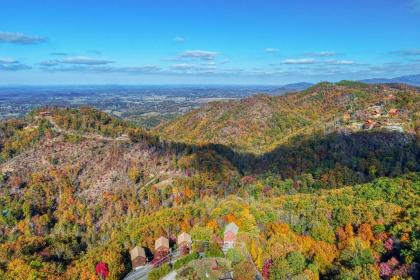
x=211 y=268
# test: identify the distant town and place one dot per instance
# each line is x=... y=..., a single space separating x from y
x=145 y=106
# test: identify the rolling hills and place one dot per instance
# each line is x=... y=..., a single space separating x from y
x=261 y=123
x=322 y=183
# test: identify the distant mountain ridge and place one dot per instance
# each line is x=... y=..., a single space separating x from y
x=294 y=87
x=409 y=79
x=413 y=80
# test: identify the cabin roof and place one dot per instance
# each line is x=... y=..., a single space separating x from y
x=161 y=242
x=163 y=184
x=137 y=252
x=184 y=237
x=229 y=237
x=232 y=227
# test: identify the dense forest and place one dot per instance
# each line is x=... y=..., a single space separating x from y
x=331 y=201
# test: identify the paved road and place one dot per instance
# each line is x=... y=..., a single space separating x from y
x=139 y=274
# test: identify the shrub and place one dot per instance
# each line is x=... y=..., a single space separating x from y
x=341 y=216
x=378 y=229
x=296 y=262
x=159 y=272
x=356 y=255
x=244 y=270
x=187 y=273
x=234 y=255
x=280 y=269
x=73 y=138
x=183 y=261
x=200 y=233
x=213 y=251
x=322 y=232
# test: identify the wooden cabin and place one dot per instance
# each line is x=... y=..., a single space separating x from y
x=161 y=247
x=231 y=231
x=227 y=276
x=230 y=237
x=162 y=243
x=393 y=112
x=368 y=124
x=138 y=257
x=214 y=264
x=44 y=114
x=390 y=97
x=184 y=243
x=231 y=228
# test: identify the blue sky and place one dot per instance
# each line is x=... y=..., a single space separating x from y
x=206 y=42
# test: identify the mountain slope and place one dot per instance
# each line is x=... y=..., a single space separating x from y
x=99 y=153
x=78 y=187
x=260 y=123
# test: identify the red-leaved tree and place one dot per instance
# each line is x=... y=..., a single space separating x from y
x=102 y=270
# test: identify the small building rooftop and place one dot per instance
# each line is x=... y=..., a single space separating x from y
x=137 y=252
x=161 y=242
x=232 y=227
x=183 y=237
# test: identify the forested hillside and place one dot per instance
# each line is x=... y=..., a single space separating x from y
x=260 y=123
x=312 y=201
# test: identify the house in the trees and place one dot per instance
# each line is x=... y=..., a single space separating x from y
x=390 y=97
x=45 y=113
x=227 y=276
x=138 y=257
x=184 y=243
x=161 y=247
x=368 y=124
x=229 y=237
x=393 y=112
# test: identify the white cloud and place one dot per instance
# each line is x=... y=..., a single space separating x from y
x=20 y=38
x=340 y=62
x=81 y=60
x=8 y=61
x=59 y=54
x=146 y=69
x=193 y=67
x=48 y=63
x=11 y=64
x=84 y=60
x=412 y=52
x=300 y=61
x=14 y=67
x=271 y=50
x=199 y=54
x=322 y=54
x=179 y=39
